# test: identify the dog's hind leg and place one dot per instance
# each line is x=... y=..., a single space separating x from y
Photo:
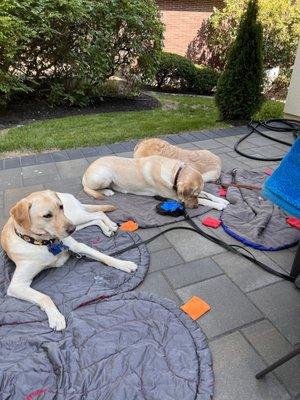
x=96 y=208
x=97 y=184
x=107 y=226
x=94 y=215
x=211 y=176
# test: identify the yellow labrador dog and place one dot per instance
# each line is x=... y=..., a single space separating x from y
x=208 y=164
x=35 y=224
x=149 y=176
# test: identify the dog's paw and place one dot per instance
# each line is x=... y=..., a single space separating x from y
x=113 y=226
x=220 y=206
x=107 y=192
x=224 y=201
x=107 y=230
x=57 y=321
x=127 y=266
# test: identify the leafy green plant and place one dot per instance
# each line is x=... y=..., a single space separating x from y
x=270 y=109
x=66 y=48
x=280 y=21
x=238 y=94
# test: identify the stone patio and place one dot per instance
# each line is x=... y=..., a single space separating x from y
x=255 y=316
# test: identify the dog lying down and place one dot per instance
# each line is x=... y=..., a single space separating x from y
x=38 y=221
x=149 y=176
x=204 y=161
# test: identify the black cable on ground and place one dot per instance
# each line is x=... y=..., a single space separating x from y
x=232 y=248
x=273 y=125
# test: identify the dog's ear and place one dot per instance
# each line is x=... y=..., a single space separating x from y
x=184 y=190
x=20 y=213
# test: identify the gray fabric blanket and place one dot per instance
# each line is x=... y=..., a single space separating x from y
x=131 y=346
x=249 y=218
x=253 y=220
x=142 y=209
x=116 y=346
x=78 y=281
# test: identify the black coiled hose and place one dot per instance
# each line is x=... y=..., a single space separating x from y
x=273 y=125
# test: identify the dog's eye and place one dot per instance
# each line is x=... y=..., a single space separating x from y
x=49 y=215
x=61 y=207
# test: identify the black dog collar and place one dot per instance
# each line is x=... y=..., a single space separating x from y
x=176 y=177
x=54 y=246
x=38 y=242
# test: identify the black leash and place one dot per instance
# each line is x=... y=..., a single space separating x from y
x=287 y=125
x=232 y=248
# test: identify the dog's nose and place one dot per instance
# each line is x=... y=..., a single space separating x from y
x=71 y=229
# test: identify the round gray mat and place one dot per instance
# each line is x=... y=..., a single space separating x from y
x=78 y=281
x=130 y=346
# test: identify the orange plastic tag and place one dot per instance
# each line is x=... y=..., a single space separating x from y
x=129 y=226
x=195 y=307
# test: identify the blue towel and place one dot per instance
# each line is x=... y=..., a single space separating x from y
x=283 y=186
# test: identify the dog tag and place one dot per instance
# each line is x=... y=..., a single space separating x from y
x=55 y=248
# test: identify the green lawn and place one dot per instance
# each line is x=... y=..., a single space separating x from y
x=177 y=114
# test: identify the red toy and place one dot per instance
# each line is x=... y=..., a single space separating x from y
x=294 y=222
x=222 y=192
x=211 y=222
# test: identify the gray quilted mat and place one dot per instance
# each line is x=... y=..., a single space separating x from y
x=78 y=281
x=131 y=346
x=142 y=209
x=252 y=219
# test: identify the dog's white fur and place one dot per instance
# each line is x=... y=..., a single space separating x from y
x=27 y=218
x=148 y=176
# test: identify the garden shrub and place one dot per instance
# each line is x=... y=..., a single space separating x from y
x=66 y=49
x=177 y=72
x=270 y=109
x=239 y=88
x=174 y=71
x=206 y=80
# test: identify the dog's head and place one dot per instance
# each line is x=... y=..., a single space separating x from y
x=189 y=186
x=41 y=214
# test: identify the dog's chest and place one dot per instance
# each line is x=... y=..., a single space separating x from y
x=42 y=256
x=59 y=259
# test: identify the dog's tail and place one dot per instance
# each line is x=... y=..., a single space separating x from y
x=97 y=208
x=94 y=193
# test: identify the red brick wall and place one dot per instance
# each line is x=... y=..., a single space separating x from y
x=182 y=19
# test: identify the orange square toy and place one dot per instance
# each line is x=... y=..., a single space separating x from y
x=195 y=307
x=129 y=226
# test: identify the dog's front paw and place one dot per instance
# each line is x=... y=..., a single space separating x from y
x=56 y=321
x=224 y=201
x=107 y=230
x=113 y=226
x=127 y=266
x=220 y=206
x=107 y=192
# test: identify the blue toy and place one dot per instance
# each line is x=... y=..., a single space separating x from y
x=171 y=208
